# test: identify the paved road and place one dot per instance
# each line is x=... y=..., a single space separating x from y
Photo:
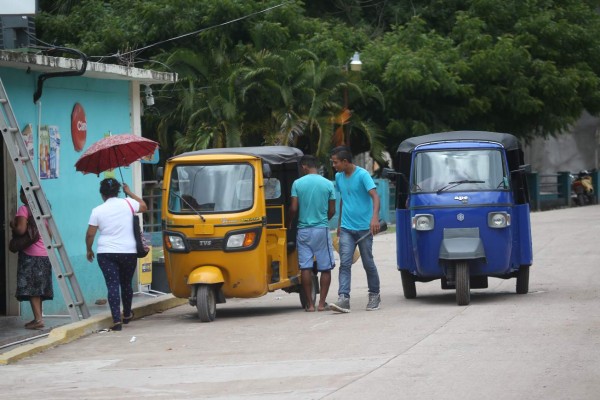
x=544 y=345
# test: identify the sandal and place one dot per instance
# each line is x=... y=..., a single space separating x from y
x=126 y=320
x=33 y=321
x=35 y=325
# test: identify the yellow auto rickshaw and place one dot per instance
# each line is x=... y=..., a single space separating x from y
x=224 y=217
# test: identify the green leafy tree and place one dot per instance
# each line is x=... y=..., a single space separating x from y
x=525 y=67
x=528 y=67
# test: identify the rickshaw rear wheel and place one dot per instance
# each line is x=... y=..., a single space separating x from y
x=206 y=303
x=408 y=285
x=313 y=292
x=523 y=280
x=463 y=284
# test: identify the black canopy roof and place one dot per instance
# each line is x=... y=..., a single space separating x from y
x=507 y=140
x=270 y=154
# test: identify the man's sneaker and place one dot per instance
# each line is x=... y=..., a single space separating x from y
x=342 y=305
x=374 y=301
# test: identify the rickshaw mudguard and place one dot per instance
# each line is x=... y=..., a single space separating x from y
x=405 y=258
x=461 y=244
x=521 y=212
x=207 y=274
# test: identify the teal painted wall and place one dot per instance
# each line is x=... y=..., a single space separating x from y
x=73 y=195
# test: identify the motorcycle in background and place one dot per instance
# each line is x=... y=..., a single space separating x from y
x=582 y=190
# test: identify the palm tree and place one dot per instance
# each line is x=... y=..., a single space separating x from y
x=273 y=98
x=293 y=96
x=272 y=87
x=202 y=110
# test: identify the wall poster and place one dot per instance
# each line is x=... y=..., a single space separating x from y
x=49 y=150
x=27 y=133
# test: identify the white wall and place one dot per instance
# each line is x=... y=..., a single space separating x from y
x=572 y=151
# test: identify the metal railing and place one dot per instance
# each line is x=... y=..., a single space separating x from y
x=152 y=195
x=547 y=191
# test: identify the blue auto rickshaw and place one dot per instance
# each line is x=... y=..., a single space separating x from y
x=462 y=211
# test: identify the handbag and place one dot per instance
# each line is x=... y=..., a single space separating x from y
x=31 y=235
x=141 y=245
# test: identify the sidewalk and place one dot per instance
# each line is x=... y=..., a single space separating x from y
x=12 y=332
x=59 y=331
x=16 y=342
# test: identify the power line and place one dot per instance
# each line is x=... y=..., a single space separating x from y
x=39 y=40
x=197 y=32
x=121 y=55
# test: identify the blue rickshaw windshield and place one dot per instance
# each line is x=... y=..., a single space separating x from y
x=459 y=170
x=211 y=188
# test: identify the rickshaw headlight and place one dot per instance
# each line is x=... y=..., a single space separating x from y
x=423 y=222
x=498 y=220
x=241 y=240
x=175 y=242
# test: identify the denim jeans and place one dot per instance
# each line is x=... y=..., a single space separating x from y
x=348 y=240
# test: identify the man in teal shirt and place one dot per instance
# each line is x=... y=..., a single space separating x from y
x=313 y=200
x=359 y=221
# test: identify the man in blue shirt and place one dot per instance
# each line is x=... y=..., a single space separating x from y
x=313 y=200
x=359 y=221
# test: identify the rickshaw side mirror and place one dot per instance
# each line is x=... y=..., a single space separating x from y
x=160 y=171
x=389 y=173
x=266 y=170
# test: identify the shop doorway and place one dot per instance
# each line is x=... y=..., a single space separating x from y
x=8 y=261
x=3 y=241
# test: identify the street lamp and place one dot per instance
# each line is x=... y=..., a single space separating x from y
x=149 y=96
x=343 y=135
x=355 y=63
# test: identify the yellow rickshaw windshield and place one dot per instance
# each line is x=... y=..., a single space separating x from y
x=211 y=188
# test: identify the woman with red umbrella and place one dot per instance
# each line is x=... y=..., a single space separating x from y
x=116 y=248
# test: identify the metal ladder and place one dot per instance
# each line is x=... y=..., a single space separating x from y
x=40 y=209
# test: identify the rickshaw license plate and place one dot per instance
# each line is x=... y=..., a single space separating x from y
x=204 y=229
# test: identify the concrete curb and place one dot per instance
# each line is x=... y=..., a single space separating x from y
x=68 y=333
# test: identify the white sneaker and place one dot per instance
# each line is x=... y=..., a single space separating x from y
x=342 y=305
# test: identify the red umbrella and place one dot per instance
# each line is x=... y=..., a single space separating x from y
x=114 y=152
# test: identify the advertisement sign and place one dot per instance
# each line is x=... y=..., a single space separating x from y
x=49 y=151
x=17 y=7
x=78 y=127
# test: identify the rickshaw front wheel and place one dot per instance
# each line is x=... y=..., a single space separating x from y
x=463 y=284
x=408 y=284
x=206 y=303
x=523 y=280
